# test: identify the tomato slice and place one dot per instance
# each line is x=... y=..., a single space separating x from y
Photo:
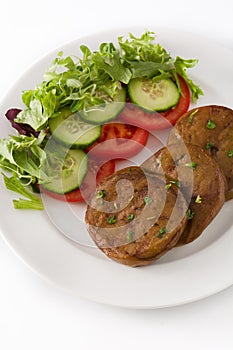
x=118 y=141
x=95 y=175
x=133 y=115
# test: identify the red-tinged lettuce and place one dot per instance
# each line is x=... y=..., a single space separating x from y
x=23 y=129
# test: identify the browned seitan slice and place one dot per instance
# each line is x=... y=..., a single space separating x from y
x=199 y=178
x=210 y=127
x=134 y=219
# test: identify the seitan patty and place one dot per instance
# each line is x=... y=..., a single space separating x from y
x=210 y=127
x=134 y=219
x=200 y=179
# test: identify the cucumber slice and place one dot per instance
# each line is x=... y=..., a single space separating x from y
x=69 y=129
x=158 y=96
x=103 y=113
x=67 y=170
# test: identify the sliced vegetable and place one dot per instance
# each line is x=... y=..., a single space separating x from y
x=69 y=129
x=100 y=114
x=66 y=172
x=95 y=175
x=157 y=121
x=118 y=141
x=153 y=96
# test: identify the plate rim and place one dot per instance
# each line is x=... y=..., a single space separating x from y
x=14 y=246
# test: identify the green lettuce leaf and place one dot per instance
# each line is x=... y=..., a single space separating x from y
x=33 y=202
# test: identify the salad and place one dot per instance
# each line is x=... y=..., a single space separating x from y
x=90 y=111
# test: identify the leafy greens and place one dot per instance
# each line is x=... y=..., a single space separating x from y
x=79 y=83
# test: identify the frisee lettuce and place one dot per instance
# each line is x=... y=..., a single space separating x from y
x=80 y=83
x=146 y=58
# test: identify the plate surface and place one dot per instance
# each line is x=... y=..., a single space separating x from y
x=185 y=274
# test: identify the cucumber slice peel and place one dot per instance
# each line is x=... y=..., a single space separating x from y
x=100 y=114
x=153 y=96
x=66 y=170
x=69 y=129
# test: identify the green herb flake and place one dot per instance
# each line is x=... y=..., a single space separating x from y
x=151 y=217
x=198 y=199
x=192 y=165
x=101 y=194
x=175 y=182
x=190 y=214
x=192 y=115
x=211 y=124
x=209 y=145
x=167 y=186
x=131 y=198
x=111 y=219
x=162 y=232
x=130 y=236
x=130 y=217
x=147 y=200
x=230 y=153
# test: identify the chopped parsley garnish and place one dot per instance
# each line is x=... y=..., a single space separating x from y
x=151 y=217
x=130 y=217
x=162 y=232
x=101 y=194
x=190 y=214
x=211 y=124
x=192 y=115
x=175 y=182
x=111 y=219
x=192 y=165
x=230 y=153
x=209 y=145
x=198 y=199
x=130 y=236
x=147 y=200
x=167 y=186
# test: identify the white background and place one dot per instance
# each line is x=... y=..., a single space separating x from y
x=34 y=314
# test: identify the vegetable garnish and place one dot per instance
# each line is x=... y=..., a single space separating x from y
x=162 y=232
x=192 y=116
x=198 y=199
x=192 y=165
x=209 y=145
x=111 y=219
x=211 y=124
x=175 y=182
x=167 y=186
x=130 y=236
x=101 y=194
x=190 y=214
x=130 y=217
x=147 y=200
x=230 y=153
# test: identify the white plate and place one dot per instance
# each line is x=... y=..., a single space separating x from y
x=184 y=274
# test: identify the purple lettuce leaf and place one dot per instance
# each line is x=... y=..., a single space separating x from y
x=23 y=129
